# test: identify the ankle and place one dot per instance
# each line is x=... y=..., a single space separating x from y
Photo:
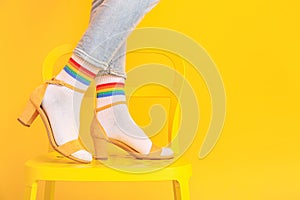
x=78 y=73
x=109 y=89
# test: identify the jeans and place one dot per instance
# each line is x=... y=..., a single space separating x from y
x=104 y=42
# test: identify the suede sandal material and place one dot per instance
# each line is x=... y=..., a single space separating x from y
x=34 y=108
x=100 y=137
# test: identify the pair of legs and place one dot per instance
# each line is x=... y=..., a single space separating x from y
x=100 y=56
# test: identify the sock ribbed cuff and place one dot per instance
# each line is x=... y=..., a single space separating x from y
x=78 y=72
x=109 y=89
x=109 y=79
x=109 y=85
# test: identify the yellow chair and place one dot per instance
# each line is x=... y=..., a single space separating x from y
x=51 y=167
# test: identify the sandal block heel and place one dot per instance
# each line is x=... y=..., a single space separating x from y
x=100 y=141
x=100 y=145
x=29 y=114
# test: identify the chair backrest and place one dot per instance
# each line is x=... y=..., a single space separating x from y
x=156 y=92
x=53 y=58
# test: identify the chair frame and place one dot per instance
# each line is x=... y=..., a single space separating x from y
x=52 y=167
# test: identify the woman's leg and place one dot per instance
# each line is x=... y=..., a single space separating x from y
x=111 y=23
x=116 y=120
x=118 y=61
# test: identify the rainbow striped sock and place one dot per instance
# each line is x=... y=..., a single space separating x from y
x=63 y=104
x=79 y=72
x=110 y=89
x=116 y=120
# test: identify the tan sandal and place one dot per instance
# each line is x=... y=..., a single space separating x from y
x=34 y=108
x=101 y=139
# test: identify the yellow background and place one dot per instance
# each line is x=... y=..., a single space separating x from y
x=255 y=45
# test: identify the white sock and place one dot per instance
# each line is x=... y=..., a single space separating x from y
x=62 y=104
x=116 y=120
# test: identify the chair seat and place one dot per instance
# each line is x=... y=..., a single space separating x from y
x=53 y=166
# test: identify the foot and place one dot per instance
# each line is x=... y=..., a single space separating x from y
x=62 y=104
x=117 y=121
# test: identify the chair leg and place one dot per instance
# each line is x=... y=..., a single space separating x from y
x=49 y=190
x=176 y=190
x=31 y=191
x=181 y=189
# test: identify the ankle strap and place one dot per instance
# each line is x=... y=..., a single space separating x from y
x=109 y=105
x=55 y=81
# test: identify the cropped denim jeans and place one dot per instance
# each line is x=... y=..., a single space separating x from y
x=104 y=42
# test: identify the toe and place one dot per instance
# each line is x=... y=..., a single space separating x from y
x=166 y=152
x=83 y=155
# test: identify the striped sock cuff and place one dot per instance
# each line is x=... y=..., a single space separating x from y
x=110 y=89
x=78 y=72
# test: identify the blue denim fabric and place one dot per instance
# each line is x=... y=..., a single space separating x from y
x=104 y=42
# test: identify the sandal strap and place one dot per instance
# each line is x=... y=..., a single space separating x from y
x=55 y=81
x=70 y=147
x=109 y=105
